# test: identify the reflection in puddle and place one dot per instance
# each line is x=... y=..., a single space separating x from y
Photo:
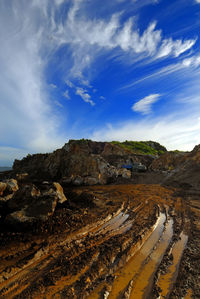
x=135 y=265
x=144 y=281
x=114 y=223
x=167 y=280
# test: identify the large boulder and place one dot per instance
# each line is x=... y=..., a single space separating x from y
x=31 y=203
x=8 y=186
x=7 y=190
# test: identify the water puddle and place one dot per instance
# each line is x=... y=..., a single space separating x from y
x=114 y=223
x=130 y=270
x=167 y=280
x=144 y=281
x=125 y=274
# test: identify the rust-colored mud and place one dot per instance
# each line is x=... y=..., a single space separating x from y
x=143 y=283
x=120 y=246
x=166 y=281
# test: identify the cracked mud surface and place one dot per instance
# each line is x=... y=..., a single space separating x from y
x=119 y=241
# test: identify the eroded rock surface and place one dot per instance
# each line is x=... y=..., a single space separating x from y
x=81 y=162
x=27 y=203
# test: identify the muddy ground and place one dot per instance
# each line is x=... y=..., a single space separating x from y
x=117 y=241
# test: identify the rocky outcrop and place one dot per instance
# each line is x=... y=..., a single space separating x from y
x=7 y=190
x=80 y=162
x=187 y=172
x=167 y=162
x=29 y=204
x=182 y=169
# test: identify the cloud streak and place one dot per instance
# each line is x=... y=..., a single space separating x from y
x=26 y=111
x=144 y=105
x=33 y=33
x=84 y=95
x=89 y=37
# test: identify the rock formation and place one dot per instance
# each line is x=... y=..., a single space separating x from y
x=27 y=204
x=182 y=169
x=81 y=162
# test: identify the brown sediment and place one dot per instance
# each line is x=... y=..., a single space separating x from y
x=189 y=294
x=136 y=257
x=166 y=281
x=144 y=281
x=111 y=248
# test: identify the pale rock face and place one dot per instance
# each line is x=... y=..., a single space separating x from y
x=7 y=190
x=2 y=188
x=12 y=185
x=59 y=192
x=125 y=173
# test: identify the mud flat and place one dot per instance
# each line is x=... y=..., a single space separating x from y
x=127 y=241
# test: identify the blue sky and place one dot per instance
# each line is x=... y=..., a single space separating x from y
x=113 y=70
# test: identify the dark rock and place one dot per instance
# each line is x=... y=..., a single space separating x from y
x=31 y=203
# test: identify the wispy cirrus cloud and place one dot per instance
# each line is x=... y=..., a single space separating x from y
x=193 y=61
x=53 y=85
x=144 y=105
x=69 y=83
x=175 y=48
x=57 y=103
x=83 y=93
x=89 y=37
x=66 y=94
x=26 y=114
x=32 y=33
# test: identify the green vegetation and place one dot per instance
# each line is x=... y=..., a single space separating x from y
x=142 y=147
x=177 y=152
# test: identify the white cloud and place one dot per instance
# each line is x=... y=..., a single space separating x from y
x=59 y=2
x=198 y=1
x=69 y=83
x=53 y=85
x=192 y=61
x=27 y=118
x=182 y=134
x=84 y=95
x=89 y=37
x=58 y=104
x=175 y=48
x=144 y=105
x=130 y=40
x=30 y=34
x=66 y=94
